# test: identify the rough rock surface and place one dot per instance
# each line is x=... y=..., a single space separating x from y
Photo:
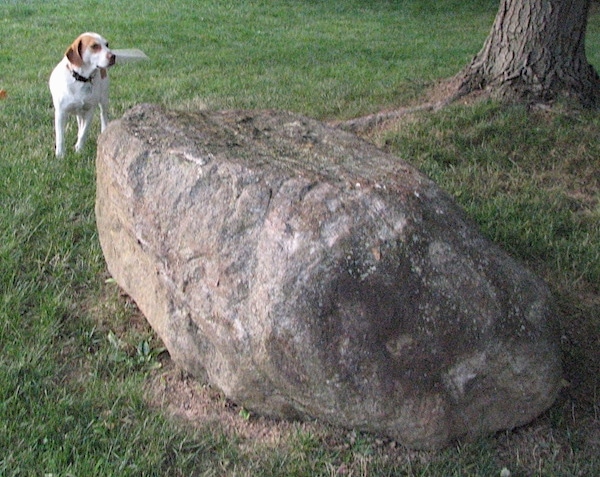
x=308 y=274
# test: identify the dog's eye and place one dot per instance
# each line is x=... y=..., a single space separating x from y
x=96 y=47
x=106 y=45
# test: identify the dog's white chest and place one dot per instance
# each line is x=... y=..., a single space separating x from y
x=86 y=89
x=80 y=96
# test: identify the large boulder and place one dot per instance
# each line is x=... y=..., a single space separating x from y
x=308 y=274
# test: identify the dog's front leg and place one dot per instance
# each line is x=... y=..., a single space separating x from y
x=84 y=122
x=103 y=115
x=60 y=122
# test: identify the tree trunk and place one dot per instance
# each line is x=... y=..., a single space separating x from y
x=536 y=52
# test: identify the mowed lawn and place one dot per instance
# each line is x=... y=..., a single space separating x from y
x=75 y=359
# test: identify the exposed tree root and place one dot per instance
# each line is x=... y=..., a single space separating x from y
x=444 y=94
x=463 y=88
x=370 y=122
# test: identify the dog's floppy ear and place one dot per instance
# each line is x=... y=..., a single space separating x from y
x=73 y=53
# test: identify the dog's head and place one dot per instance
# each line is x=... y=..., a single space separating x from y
x=90 y=49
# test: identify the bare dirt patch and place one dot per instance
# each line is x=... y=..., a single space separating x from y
x=200 y=405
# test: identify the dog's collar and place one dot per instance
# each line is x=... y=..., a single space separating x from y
x=78 y=77
x=81 y=78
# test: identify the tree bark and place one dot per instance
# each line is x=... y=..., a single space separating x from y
x=535 y=52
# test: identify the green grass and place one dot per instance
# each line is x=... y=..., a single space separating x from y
x=74 y=362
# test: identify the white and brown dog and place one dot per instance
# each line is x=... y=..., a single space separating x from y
x=78 y=84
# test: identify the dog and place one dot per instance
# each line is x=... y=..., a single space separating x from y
x=78 y=84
